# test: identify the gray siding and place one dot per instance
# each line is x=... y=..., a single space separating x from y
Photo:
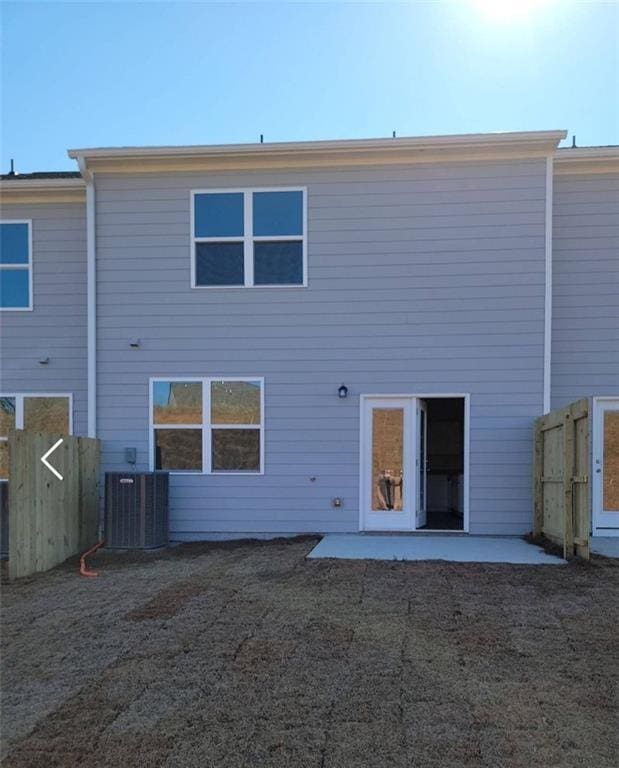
x=421 y=279
x=585 y=329
x=56 y=328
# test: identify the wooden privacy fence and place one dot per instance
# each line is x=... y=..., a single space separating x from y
x=51 y=519
x=562 y=498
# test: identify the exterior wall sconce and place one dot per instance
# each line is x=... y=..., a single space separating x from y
x=343 y=391
x=135 y=343
x=44 y=361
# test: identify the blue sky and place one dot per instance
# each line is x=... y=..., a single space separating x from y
x=120 y=73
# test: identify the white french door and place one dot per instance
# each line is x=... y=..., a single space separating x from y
x=606 y=467
x=393 y=464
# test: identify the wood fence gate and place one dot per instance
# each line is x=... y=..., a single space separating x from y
x=562 y=494
x=51 y=519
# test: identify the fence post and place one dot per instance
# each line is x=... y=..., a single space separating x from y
x=569 y=426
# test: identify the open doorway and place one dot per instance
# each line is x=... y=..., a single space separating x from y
x=413 y=463
x=445 y=491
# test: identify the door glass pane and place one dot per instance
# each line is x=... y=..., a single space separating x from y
x=47 y=414
x=611 y=460
x=387 y=459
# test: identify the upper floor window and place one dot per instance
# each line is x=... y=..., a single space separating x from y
x=251 y=237
x=15 y=265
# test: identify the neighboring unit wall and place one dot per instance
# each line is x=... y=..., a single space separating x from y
x=585 y=329
x=422 y=279
x=56 y=328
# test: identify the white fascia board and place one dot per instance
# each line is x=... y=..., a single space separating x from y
x=36 y=185
x=490 y=140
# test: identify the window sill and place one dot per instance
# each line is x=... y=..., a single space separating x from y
x=280 y=286
x=196 y=473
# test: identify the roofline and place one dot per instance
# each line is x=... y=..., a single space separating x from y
x=587 y=160
x=508 y=139
x=27 y=191
x=37 y=184
x=578 y=153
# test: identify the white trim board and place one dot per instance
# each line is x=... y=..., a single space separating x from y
x=91 y=310
x=548 y=286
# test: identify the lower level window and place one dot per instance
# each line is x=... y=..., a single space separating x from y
x=207 y=425
x=37 y=413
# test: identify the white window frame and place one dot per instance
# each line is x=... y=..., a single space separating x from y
x=206 y=426
x=248 y=239
x=22 y=267
x=19 y=410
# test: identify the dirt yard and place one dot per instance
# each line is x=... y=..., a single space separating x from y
x=249 y=655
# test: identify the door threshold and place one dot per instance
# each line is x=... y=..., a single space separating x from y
x=418 y=532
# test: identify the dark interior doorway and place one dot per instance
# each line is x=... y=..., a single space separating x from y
x=445 y=464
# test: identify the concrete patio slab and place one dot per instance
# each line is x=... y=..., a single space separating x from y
x=458 y=549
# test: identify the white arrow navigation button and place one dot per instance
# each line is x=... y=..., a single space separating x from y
x=49 y=453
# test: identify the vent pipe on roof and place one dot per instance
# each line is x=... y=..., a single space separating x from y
x=262 y=138
x=393 y=135
x=12 y=171
x=574 y=141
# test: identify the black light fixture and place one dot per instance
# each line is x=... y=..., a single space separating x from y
x=343 y=391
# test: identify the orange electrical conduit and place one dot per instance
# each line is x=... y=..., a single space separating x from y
x=83 y=570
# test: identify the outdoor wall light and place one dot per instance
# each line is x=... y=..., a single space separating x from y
x=343 y=391
x=135 y=343
x=44 y=361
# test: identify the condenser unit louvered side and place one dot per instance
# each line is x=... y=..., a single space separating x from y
x=136 y=510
